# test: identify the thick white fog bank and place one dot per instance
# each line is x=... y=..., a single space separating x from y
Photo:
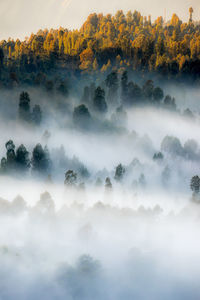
x=96 y=245
x=112 y=216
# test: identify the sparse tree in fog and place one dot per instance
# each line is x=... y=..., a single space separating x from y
x=148 y=89
x=11 y=156
x=191 y=150
x=166 y=175
x=37 y=115
x=49 y=86
x=169 y=103
x=45 y=204
x=86 y=95
x=40 y=159
x=195 y=187
x=119 y=172
x=195 y=184
x=108 y=184
x=98 y=182
x=24 y=107
x=124 y=87
x=1 y=61
x=188 y=114
x=134 y=94
x=172 y=145
x=158 y=156
x=142 y=180
x=92 y=91
x=18 y=205
x=70 y=178
x=99 y=101
x=81 y=116
x=112 y=85
x=3 y=167
x=158 y=95
x=46 y=136
x=22 y=158
x=62 y=89
x=120 y=116
x=1 y=57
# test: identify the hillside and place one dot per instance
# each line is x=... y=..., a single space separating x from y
x=132 y=42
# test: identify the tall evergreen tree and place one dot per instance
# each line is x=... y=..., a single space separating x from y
x=99 y=102
x=24 y=107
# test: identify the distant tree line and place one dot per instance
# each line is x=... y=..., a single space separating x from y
x=130 y=41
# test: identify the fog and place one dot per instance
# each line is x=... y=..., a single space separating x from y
x=136 y=239
x=72 y=13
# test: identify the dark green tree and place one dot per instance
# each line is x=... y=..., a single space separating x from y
x=62 y=89
x=195 y=184
x=86 y=95
x=11 y=156
x=82 y=117
x=119 y=172
x=112 y=85
x=158 y=95
x=99 y=102
x=36 y=115
x=70 y=178
x=40 y=159
x=148 y=89
x=24 y=107
x=124 y=87
x=108 y=184
x=22 y=159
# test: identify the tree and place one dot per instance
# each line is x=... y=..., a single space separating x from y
x=112 y=85
x=37 y=115
x=86 y=59
x=124 y=87
x=11 y=157
x=82 y=117
x=142 y=180
x=172 y=145
x=99 y=102
x=108 y=184
x=86 y=95
x=195 y=187
x=98 y=182
x=119 y=173
x=158 y=94
x=148 y=89
x=1 y=57
x=62 y=89
x=158 y=156
x=169 y=102
x=195 y=184
x=3 y=168
x=40 y=159
x=45 y=205
x=24 y=107
x=70 y=178
x=190 y=12
x=49 y=86
x=22 y=159
x=166 y=175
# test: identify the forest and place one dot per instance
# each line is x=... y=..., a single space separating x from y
x=130 y=41
x=99 y=161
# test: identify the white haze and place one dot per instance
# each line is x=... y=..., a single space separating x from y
x=129 y=243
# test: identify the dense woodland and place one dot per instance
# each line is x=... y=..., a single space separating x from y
x=120 y=42
x=99 y=62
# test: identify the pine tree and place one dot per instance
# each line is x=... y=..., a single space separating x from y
x=24 y=107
